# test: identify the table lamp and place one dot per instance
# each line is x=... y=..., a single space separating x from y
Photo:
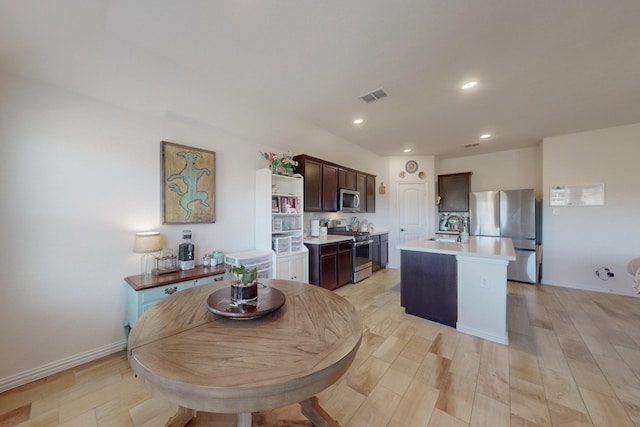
x=146 y=243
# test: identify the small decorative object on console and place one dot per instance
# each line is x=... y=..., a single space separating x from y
x=186 y=252
x=165 y=263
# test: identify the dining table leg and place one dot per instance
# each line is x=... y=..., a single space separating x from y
x=181 y=418
x=315 y=413
x=244 y=419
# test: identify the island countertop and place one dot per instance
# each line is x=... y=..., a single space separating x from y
x=483 y=247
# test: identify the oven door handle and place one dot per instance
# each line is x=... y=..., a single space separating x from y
x=366 y=242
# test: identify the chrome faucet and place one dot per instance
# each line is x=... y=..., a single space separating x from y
x=457 y=224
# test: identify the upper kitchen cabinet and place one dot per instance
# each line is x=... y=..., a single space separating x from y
x=329 y=188
x=453 y=192
x=346 y=179
x=323 y=179
x=366 y=185
x=371 y=193
x=311 y=169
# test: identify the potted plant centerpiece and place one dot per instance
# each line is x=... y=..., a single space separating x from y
x=244 y=284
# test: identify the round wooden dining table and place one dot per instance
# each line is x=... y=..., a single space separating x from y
x=202 y=361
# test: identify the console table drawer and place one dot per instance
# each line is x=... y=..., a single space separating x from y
x=143 y=295
x=156 y=294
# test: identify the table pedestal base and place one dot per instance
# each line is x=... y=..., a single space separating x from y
x=310 y=408
x=316 y=414
x=181 y=418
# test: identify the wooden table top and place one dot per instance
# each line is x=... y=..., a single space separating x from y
x=190 y=356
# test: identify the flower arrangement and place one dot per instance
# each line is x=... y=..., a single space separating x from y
x=281 y=165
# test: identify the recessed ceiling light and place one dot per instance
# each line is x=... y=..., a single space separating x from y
x=407 y=150
x=485 y=136
x=358 y=121
x=470 y=84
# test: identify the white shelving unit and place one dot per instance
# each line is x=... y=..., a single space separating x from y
x=279 y=224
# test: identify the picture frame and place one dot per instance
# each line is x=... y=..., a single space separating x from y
x=275 y=205
x=188 y=184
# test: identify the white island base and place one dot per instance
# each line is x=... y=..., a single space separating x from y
x=482 y=298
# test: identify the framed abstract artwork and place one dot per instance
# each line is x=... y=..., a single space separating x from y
x=188 y=184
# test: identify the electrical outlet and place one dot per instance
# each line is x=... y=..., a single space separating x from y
x=484 y=283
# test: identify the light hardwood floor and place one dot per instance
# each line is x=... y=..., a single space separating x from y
x=573 y=360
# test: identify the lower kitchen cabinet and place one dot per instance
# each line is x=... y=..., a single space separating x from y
x=292 y=267
x=429 y=286
x=142 y=294
x=330 y=264
x=380 y=251
x=345 y=263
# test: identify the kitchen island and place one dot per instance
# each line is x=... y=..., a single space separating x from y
x=463 y=285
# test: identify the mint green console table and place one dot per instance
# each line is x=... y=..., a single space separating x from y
x=143 y=293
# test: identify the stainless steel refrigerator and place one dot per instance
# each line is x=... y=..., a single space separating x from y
x=509 y=213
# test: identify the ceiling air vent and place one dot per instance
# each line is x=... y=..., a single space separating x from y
x=475 y=144
x=373 y=96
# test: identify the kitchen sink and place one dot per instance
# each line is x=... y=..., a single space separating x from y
x=443 y=239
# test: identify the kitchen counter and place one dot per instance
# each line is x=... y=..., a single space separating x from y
x=483 y=247
x=459 y=284
x=331 y=238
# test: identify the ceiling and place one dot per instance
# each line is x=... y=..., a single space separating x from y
x=271 y=70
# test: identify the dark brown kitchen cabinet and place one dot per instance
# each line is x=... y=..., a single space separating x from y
x=371 y=194
x=380 y=251
x=311 y=169
x=366 y=185
x=361 y=187
x=330 y=264
x=453 y=192
x=323 y=179
x=345 y=263
x=429 y=286
x=346 y=179
x=329 y=188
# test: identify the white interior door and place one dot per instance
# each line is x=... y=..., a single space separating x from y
x=412 y=210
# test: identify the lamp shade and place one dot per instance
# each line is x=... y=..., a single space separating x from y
x=146 y=242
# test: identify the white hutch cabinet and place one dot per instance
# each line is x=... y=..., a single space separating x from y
x=279 y=224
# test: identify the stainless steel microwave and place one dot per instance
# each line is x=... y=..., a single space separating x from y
x=348 y=200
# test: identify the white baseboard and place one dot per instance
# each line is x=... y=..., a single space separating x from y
x=629 y=293
x=499 y=338
x=60 y=365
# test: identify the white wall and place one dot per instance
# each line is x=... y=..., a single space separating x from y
x=79 y=178
x=504 y=170
x=579 y=240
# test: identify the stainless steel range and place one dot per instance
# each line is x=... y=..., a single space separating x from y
x=360 y=249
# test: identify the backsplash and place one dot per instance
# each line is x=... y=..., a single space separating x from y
x=452 y=221
x=308 y=216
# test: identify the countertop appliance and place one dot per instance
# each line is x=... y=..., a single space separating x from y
x=348 y=200
x=361 y=242
x=514 y=214
x=186 y=259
